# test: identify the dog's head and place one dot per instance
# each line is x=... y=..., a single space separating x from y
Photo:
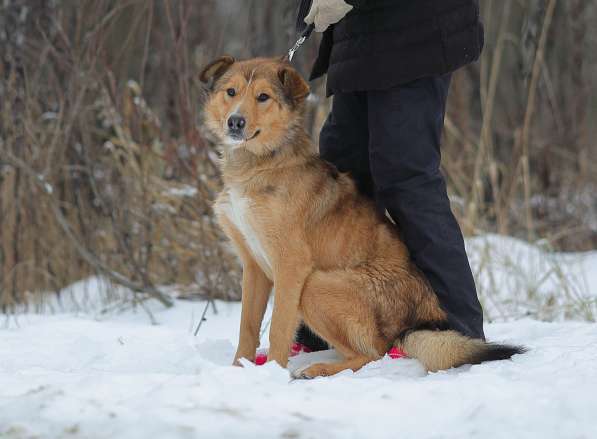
x=254 y=104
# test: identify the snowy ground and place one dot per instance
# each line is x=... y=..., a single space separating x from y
x=106 y=375
x=516 y=279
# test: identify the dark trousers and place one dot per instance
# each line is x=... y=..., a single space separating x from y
x=389 y=141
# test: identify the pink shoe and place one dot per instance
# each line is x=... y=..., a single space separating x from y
x=261 y=358
x=396 y=353
x=295 y=349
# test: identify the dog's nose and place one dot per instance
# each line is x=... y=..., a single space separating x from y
x=236 y=123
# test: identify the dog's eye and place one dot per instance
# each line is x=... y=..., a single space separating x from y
x=231 y=92
x=262 y=97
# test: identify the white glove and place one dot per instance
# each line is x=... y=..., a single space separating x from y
x=326 y=12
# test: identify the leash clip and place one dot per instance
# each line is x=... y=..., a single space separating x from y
x=306 y=34
x=296 y=47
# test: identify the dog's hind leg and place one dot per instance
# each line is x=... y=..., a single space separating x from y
x=332 y=307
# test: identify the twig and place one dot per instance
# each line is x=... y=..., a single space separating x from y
x=530 y=108
x=202 y=319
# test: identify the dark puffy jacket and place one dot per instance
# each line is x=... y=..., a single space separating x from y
x=384 y=43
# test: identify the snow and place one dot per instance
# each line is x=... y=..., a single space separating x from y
x=81 y=371
x=516 y=279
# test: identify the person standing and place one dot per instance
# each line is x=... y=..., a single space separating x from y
x=388 y=65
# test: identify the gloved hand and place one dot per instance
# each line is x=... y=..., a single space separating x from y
x=326 y=12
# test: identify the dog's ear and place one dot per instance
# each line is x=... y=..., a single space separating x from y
x=216 y=68
x=295 y=87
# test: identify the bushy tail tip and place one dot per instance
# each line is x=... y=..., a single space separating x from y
x=439 y=350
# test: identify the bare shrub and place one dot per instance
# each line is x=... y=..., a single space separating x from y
x=93 y=181
x=105 y=169
x=519 y=151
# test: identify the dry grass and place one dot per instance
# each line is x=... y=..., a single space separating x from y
x=518 y=149
x=104 y=167
x=93 y=181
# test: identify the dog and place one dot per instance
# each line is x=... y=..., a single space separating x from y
x=300 y=226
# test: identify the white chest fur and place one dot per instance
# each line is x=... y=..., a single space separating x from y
x=238 y=210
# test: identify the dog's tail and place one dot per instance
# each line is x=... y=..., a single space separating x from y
x=439 y=350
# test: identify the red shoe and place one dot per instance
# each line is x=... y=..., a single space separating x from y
x=295 y=349
x=261 y=358
x=396 y=353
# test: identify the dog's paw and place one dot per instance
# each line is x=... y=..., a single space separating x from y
x=310 y=372
x=298 y=374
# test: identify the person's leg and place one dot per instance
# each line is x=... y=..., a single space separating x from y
x=405 y=125
x=343 y=142
x=344 y=139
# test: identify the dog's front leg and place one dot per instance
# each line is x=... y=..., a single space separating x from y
x=255 y=293
x=256 y=288
x=289 y=279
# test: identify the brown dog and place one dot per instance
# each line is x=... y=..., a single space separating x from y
x=300 y=226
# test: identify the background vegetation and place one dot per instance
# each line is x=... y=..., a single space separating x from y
x=105 y=168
